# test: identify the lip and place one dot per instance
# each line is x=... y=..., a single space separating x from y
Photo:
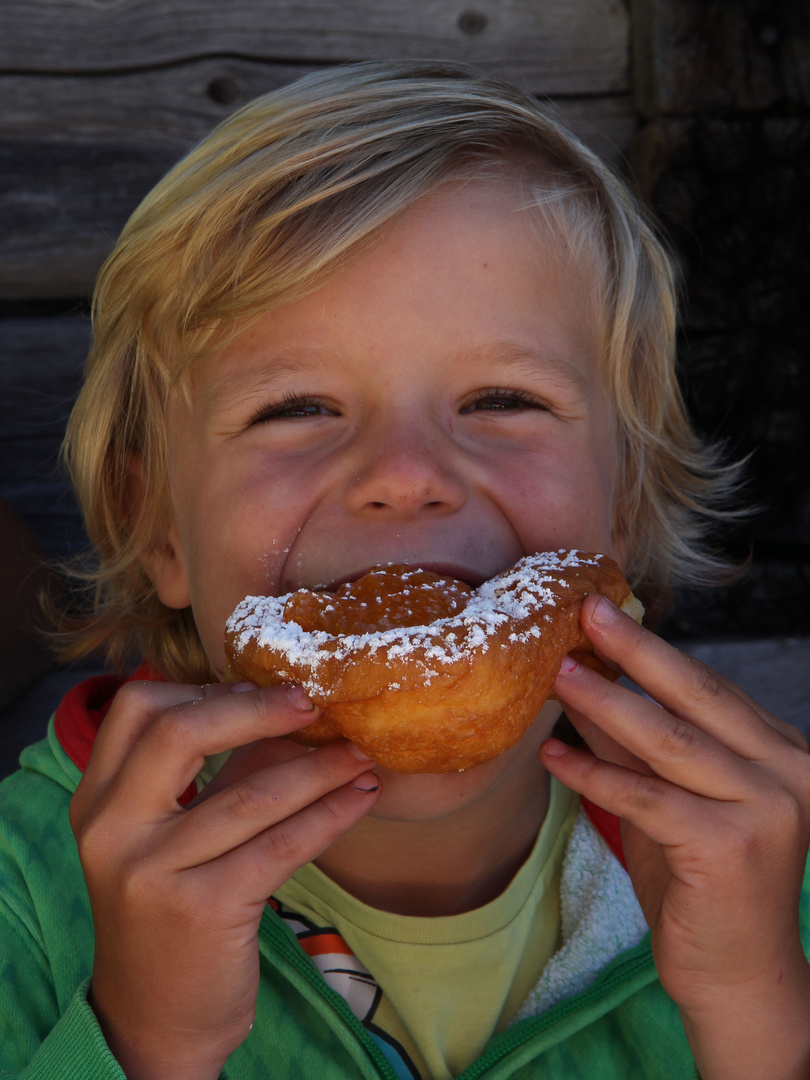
x=471 y=577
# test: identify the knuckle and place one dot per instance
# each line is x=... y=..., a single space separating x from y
x=787 y=812
x=97 y=839
x=744 y=838
x=799 y=741
x=285 y=842
x=333 y=762
x=92 y=840
x=676 y=738
x=176 y=727
x=703 y=684
x=250 y=799
x=189 y=901
x=134 y=697
x=645 y=792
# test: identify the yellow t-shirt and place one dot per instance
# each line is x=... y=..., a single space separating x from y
x=435 y=990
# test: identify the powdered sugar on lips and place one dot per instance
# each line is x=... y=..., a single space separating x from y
x=518 y=595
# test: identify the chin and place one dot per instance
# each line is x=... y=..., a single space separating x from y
x=430 y=796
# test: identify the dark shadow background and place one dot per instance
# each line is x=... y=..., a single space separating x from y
x=723 y=157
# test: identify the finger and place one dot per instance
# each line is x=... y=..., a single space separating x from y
x=135 y=708
x=244 y=760
x=665 y=813
x=265 y=862
x=263 y=799
x=683 y=686
x=173 y=748
x=670 y=747
x=602 y=744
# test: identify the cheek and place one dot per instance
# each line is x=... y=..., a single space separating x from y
x=563 y=502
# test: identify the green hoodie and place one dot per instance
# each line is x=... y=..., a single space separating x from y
x=598 y=1011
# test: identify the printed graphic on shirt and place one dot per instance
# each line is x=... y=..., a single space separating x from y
x=344 y=973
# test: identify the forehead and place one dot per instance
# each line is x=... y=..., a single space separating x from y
x=470 y=268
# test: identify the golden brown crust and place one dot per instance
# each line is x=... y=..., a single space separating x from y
x=425 y=696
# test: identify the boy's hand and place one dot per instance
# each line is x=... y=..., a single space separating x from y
x=714 y=794
x=177 y=894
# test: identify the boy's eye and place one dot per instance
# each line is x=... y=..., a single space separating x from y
x=292 y=407
x=501 y=401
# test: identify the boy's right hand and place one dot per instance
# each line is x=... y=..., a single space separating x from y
x=177 y=893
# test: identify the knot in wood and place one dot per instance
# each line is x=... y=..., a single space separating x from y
x=223 y=89
x=472 y=22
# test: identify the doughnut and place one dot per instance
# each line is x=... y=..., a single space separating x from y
x=424 y=673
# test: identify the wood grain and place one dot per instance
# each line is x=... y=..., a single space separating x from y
x=78 y=153
x=553 y=46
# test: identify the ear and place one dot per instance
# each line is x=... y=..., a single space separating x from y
x=165 y=566
x=164 y=559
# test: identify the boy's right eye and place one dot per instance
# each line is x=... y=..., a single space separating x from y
x=292 y=407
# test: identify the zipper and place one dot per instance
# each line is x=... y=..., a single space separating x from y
x=525 y=1030
x=284 y=944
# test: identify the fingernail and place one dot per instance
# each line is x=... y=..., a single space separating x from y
x=568 y=665
x=554 y=748
x=358 y=753
x=603 y=612
x=368 y=782
x=299 y=699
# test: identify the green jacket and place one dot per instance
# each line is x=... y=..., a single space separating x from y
x=599 y=1011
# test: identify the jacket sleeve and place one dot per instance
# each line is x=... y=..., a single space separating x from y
x=36 y=1043
x=48 y=1031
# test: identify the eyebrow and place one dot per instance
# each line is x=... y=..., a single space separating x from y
x=264 y=372
x=524 y=360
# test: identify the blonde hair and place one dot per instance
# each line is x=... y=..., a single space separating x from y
x=270 y=204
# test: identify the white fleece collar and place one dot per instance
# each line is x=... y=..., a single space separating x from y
x=601 y=918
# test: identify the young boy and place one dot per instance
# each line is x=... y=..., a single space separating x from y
x=393 y=313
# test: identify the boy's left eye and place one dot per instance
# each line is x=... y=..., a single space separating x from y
x=502 y=401
x=292 y=407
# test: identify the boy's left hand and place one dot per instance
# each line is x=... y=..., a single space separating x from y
x=714 y=796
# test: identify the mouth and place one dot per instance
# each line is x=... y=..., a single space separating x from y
x=470 y=577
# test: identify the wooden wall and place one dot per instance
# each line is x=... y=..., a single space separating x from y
x=708 y=99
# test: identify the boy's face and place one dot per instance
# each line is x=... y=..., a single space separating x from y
x=438 y=403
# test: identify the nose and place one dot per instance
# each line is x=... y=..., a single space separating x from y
x=405 y=469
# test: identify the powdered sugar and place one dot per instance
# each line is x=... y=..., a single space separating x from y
x=517 y=595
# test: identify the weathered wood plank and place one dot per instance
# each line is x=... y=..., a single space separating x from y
x=77 y=154
x=177 y=104
x=182 y=103
x=693 y=56
x=62 y=203
x=553 y=46
x=40 y=369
